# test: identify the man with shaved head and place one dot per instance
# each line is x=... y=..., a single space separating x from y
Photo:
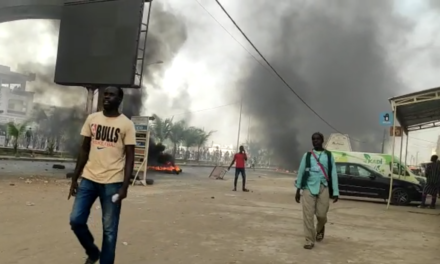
x=105 y=164
x=318 y=180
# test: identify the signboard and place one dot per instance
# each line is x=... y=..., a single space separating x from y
x=339 y=142
x=386 y=118
x=142 y=144
x=140 y=123
x=398 y=131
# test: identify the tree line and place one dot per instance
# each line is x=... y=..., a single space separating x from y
x=179 y=133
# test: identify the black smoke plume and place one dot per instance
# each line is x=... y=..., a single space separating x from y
x=167 y=33
x=337 y=55
x=157 y=156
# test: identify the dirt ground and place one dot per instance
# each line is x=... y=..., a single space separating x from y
x=194 y=220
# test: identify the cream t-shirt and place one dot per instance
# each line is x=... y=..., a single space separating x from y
x=109 y=135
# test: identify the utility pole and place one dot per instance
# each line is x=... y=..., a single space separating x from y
x=383 y=140
x=249 y=126
x=239 y=124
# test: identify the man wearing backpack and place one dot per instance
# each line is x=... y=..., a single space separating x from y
x=318 y=179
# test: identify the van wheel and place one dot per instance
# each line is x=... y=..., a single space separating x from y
x=400 y=196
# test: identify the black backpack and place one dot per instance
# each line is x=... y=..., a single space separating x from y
x=329 y=172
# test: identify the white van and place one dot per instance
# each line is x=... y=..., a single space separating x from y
x=381 y=163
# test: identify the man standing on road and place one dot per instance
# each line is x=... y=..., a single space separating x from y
x=28 y=137
x=318 y=178
x=432 y=186
x=240 y=159
x=106 y=164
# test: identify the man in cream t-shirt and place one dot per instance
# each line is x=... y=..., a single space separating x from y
x=105 y=164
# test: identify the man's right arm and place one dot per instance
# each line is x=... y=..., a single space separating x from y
x=84 y=150
x=302 y=168
x=232 y=163
x=83 y=157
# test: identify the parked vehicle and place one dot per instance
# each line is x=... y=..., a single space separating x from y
x=380 y=163
x=363 y=181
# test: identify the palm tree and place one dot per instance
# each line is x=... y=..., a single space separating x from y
x=16 y=131
x=202 y=138
x=161 y=128
x=176 y=134
x=190 y=138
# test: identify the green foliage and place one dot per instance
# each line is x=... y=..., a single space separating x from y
x=62 y=127
x=16 y=131
x=179 y=133
x=161 y=128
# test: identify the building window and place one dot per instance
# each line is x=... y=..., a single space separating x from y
x=17 y=106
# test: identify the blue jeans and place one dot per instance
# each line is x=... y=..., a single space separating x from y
x=239 y=171
x=88 y=192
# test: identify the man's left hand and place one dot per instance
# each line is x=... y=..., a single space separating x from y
x=122 y=194
x=335 y=199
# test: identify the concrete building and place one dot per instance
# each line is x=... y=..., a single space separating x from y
x=16 y=104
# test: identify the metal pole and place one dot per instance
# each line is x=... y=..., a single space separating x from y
x=392 y=157
x=400 y=157
x=239 y=124
x=406 y=151
x=147 y=26
x=89 y=103
x=249 y=126
x=383 y=140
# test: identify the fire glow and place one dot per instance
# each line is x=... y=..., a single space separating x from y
x=169 y=168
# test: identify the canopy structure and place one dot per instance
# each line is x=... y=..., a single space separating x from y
x=414 y=111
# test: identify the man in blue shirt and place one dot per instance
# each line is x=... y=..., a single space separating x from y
x=318 y=180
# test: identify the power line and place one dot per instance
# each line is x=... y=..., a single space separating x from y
x=261 y=64
x=232 y=36
x=273 y=69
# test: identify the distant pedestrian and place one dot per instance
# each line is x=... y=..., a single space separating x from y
x=432 y=186
x=318 y=180
x=240 y=159
x=28 y=137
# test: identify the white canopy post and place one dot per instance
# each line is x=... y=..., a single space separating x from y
x=400 y=156
x=392 y=156
x=406 y=151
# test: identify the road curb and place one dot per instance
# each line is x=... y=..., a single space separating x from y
x=36 y=159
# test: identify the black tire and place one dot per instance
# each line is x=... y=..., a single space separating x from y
x=150 y=181
x=400 y=196
x=58 y=166
x=69 y=175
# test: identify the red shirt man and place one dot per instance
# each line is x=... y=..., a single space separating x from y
x=240 y=159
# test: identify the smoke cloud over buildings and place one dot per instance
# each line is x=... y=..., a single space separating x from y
x=336 y=56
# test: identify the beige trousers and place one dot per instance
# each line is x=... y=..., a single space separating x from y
x=314 y=205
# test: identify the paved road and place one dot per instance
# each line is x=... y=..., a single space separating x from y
x=9 y=168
